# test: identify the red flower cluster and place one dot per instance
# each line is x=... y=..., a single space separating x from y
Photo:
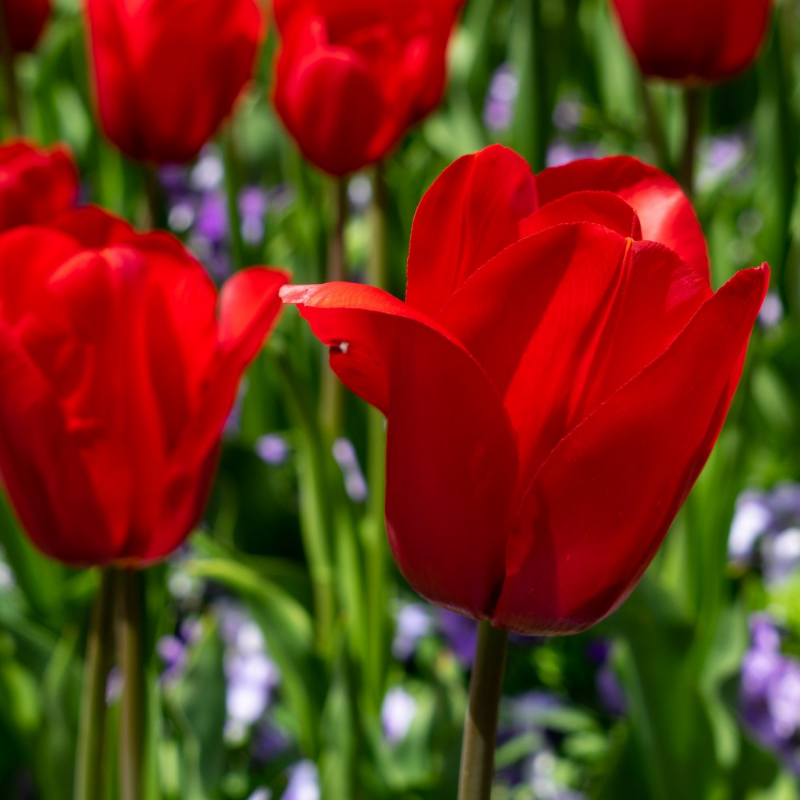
x=35 y=184
x=25 y=21
x=123 y=373
x=353 y=75
x=686 y=40
x=553 y=384
x=168 y=72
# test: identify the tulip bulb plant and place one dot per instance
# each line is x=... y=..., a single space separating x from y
x=550 y=322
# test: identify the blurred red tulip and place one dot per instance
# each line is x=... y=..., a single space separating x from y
x=25 y=21
x=553 y=384
x=353 y=75
x=36 y=184
x=118 y=375
x=168 y=72
x=686 y=40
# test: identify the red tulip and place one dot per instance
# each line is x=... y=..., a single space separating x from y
x=25 y=21
x=118 y=375
x=168 y=72
x=35 y=184
x=353 y=75
x=692 y=41
x=553 y=383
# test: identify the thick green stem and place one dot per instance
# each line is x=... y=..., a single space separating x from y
x=331 y=404
x=90 y=773
x=693 y=104
x=129 y=642
x=374 y=535
x=232 y=185
x=480 y=728
x=9 y=76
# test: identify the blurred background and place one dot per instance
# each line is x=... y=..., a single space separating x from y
x=691 y=690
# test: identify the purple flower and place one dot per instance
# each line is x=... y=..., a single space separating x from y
x=212 y=218
x=303 y=782
x=414 y=620
x=460 y=633
x=771 y=314
x=272 y=449
x=498 y=109
x=253 y=203
x=720 y=157
x=354 y=482
x=397 y=713
x=561 y=152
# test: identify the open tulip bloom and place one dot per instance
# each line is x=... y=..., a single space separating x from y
x=123 y=374
x=553 y=384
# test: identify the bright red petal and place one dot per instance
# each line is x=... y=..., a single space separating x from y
x=45 y=478
x=664 y=210
x=451 y=460
x=471 y=212
x=561 y=319
x=596 y=513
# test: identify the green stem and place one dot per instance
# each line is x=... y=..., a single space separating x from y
x=90 y=765
x=314 y=501
x=375 y=528
x=9 y=76
x=693 y=105
x=129 y=641
x=480 y=728
x=533 y=121
x=655 y=129
x=156 y=202
x=331 y=404
x=232 y=184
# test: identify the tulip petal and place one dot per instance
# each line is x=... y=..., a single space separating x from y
x=602 y=208
x=471 y=212
x=46 y=479
x=599 y=508
x=248 y=308
x=561 y=319
x=664 y=210
x=451 y=460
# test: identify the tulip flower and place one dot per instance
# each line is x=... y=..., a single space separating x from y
x=36 y=184
x=553 y=383
x=168 y=72
x=118 y=373
x=351 y=77
x=694 y=42
x=25 y=21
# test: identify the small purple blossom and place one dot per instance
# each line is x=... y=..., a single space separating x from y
x=567 y=114
x=460 y=633
x=397 y=714
x=344 y=453
x=498 y=109
x=272 y=449
x=303 y=782
x=561 y=152
x=720 y=157
x=414 y=620
x=771 y=314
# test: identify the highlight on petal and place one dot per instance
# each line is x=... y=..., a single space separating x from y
x=584 y=535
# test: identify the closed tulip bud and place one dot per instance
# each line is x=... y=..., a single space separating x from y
x=553 y=383
x=36 y=184
x=119 y=365
x=168 y=72
x=25 y=20
x=351 y=77
x=694 y=42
